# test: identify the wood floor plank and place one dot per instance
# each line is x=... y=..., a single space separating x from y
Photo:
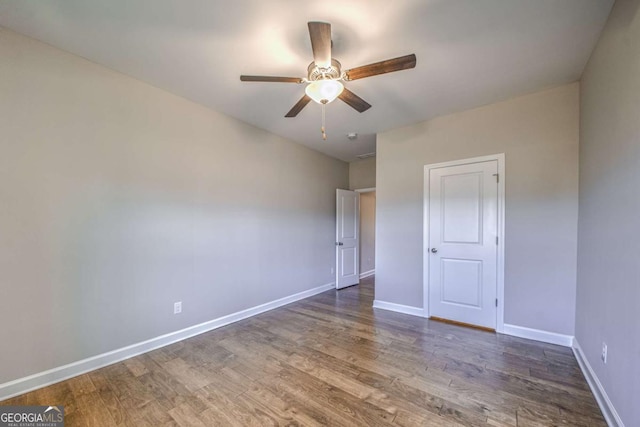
x=290 y=412
x=184 y=416
x=186 y=374
x=333 y=360
x=331 y=404
x=94 y=411
x=80 y=385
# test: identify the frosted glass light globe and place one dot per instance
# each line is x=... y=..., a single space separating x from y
x=324 y=91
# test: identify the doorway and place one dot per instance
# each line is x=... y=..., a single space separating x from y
x=355 y=236
x=367 y=232
x=347 y=238
x=463 y=241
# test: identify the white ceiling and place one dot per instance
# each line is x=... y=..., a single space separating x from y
x=469 y=53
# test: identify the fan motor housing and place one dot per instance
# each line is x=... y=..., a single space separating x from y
x=334 y=72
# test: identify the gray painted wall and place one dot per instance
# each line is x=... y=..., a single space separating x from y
x=539 y=135
x=608 y=299
x=119 y=199
x=367 y=231
x=362 y=174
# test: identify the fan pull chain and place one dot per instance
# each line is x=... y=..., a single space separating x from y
x=322 y=128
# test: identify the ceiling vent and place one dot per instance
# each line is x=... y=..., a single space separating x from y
x=366 y=156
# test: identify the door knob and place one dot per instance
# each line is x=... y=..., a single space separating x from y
x=339 y=243
x=434 y=250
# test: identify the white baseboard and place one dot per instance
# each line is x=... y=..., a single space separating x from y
x=608 y=410
x=367 y=274
x=538 y=335
x=405 y=309
x=52 y=376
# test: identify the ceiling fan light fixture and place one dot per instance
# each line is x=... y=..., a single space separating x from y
x=324 y=91
x=324 y=74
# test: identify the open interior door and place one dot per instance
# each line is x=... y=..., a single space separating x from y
x=347 y=238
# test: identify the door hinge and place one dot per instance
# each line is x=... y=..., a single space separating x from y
x=497 y=175
x=496 y=302
x=496 y=240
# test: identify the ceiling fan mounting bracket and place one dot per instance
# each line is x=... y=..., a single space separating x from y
x=333 y=72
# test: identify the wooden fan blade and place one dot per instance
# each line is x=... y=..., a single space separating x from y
x=382 y=67
x=271 y=79
x=320 y=33
x=299 y=106
x=354 y=100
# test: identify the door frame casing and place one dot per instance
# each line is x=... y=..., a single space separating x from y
x=365 y=190
x=500 y=158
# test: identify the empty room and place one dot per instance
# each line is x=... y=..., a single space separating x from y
x=344 y=213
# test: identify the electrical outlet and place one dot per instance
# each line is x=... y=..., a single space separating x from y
x=332 y=270
x=177 y=307
x=604 y=352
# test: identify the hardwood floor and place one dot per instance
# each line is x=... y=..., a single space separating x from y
x=333 y=360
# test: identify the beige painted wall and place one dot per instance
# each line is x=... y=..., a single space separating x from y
x=608 y=301
x=119 y=199
x=539 y=135
x=367 y=231
x=362 y=174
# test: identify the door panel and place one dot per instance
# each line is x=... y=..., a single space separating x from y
x=461 y=281
x=347 y=238
x=348 y=262
x=349 y=210
x=463 y=208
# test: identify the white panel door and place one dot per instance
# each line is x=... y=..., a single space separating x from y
x=463 y=231
x=347 y=238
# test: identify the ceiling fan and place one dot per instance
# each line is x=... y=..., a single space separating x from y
x=325 y=76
